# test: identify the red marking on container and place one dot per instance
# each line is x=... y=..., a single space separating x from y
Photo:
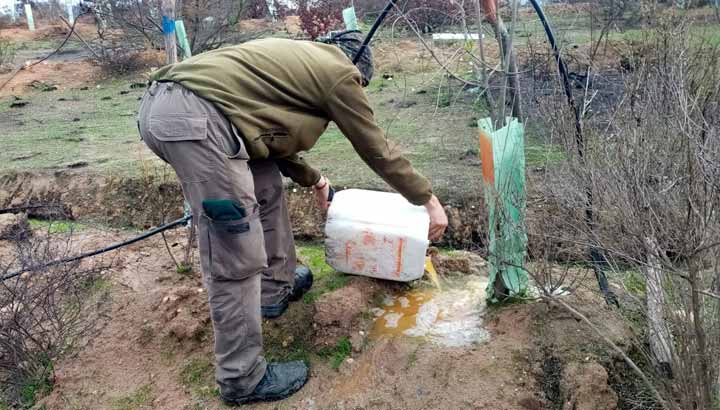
x=349 y=246
x=368 y=238
x=358 y=265
x=401 y=245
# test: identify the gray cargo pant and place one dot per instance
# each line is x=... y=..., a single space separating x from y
x=246 y=246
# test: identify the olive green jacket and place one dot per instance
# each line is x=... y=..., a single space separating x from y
x=281 y=95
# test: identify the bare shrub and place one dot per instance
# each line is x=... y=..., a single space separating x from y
x=126 y=28
x=44 y=314
x=652 y=166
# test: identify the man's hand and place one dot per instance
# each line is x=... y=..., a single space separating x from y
x=438 y=219
x=322 y=191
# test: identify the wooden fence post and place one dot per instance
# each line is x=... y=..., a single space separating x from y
x=168 y=27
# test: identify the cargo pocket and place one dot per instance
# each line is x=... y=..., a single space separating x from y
x=183 y=139
x=234 y=244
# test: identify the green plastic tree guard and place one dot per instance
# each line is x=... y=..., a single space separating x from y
x=29 y=17
x=502 y=154
x=350 y=19
x=182 y=38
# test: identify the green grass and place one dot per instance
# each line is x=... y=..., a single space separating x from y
x=198 y=374
x=634 y=282
x=140 y=399
x=54 y=227
x=33 y=390
x=59 y=128
x=326 y=279
x=337 y=354
x=538 y=155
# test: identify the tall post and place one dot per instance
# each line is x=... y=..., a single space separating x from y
x=168 y=26
x=29 y=17
x=70 y=12
x=13 y=11
x=271 y=10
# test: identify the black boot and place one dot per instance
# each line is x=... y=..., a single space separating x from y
x=303 y=283
x=280 y=381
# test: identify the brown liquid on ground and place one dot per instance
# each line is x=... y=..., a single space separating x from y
x=450 y=317
x=389 y=324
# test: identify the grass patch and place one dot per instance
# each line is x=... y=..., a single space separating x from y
x=296 y=349
x=32 y=390
x=91 y=127
x=337 y=354
x=198 y=375
x=634 y=282
x=55 y=227
x=326 y=279
x=139 y=399
x=544 y=154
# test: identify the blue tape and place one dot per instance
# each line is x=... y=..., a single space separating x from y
x=168 y=25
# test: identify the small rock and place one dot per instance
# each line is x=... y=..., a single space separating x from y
x=357 y=341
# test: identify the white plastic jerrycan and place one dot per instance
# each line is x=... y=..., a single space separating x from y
x=376 y=234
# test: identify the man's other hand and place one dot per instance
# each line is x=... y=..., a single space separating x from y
x=438 y=219
x=322 y=191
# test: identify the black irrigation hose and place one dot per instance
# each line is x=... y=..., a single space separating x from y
x=373 y=29
x=598 y=260
x=138 y=238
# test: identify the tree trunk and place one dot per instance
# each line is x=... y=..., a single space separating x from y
x=509 y=59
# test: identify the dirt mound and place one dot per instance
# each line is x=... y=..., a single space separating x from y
x=184 y=313
x=574 y=366
x=339 y=313
x=585 y=387
x=458 y=262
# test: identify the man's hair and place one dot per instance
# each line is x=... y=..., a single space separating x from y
x=350 y=42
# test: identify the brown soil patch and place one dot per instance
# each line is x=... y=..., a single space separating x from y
x=63 y=75
x=159 y=323
x=46 y=30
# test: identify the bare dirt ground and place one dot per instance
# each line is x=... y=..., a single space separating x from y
x=70 y=75
x=155 y=347
x=68 y=68
x=159 y=323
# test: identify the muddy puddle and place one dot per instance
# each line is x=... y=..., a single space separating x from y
x=451 y=317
